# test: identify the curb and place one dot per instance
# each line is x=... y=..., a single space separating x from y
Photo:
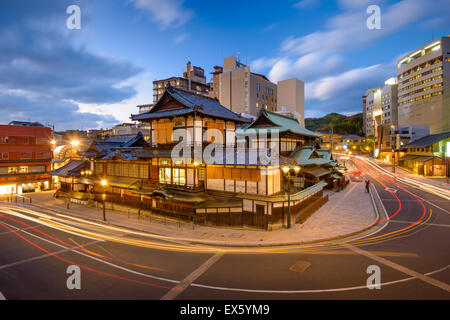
x=253 y=244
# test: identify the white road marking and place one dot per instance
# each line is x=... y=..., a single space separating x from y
x=238 y=289
x=7 y=232
x=312 y=290
x=396 y=266
x=13 y=264
x=174 y=292
x=100 y=260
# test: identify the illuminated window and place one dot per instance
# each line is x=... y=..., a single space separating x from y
x=179 y=176
x=165 y=175
x=23 y=169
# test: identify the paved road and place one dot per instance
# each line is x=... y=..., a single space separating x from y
x=411 y=248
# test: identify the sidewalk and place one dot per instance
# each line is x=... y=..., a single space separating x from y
x=403 y=173
x=346 y=213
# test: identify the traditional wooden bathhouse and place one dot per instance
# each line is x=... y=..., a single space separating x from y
x=237 y=188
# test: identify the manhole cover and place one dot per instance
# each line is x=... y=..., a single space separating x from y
x=300 y=266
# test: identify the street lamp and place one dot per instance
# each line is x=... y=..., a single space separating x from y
x=104 y=183
x=286 y=171
x=73 y=143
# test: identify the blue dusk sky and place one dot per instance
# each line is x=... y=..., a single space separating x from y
x=95 y=76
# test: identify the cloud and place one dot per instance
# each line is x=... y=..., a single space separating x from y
x=319 y=58
x=167 y=13
x=270 y=27
x=357 y=4
x=306 y=4
x=180 y=38
x=348 y=31
x=42 y=71
x=308 y=66
x=123 y=109
x=342 y=92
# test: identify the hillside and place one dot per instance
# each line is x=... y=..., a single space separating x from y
x=342 y=124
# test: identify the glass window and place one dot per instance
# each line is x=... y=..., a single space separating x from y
x=23 y=169
x=165 y=175
x=179 y=176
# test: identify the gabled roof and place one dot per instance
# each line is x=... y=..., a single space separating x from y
x=428 y=140
x=190 y=102
x=71 y=169
x=103 y=147
x=325 y=154
x=122 y=154
x=304 y=156
x=283 y=123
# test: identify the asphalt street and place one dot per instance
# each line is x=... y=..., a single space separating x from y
x=411 y=248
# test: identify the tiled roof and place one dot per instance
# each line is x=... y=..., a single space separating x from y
x=284 y=124
x=122 y=154
x=304 y=156
x=72 y=169
x=428 y=140
x=192 y=102
x=107 y=146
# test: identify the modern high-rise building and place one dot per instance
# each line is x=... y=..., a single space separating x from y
x=380 y=111
x=193 y=80
x=243 y=91
x=389 y=106
x=372 y=111
x=424 y=86
x=291 y=96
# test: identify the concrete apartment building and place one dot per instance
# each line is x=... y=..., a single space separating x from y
x=25 y=157
x=291 y=97
x=243 y=91
x=424 y=86
x=193 y=80
x=215 y=82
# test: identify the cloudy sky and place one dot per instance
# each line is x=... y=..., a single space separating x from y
x=95 y=76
